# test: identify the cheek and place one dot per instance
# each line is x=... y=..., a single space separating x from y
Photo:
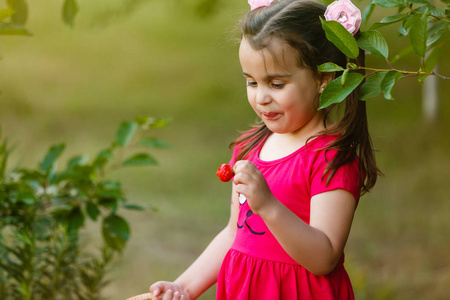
x=251 y=98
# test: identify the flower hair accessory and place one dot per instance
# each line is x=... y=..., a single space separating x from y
x=346 y=13
x=259 y=3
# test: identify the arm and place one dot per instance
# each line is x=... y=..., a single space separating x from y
x=203 y=273
x=317 y=246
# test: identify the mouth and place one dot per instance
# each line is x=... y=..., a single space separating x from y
x=270 y=115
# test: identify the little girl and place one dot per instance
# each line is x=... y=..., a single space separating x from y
x=299 y=173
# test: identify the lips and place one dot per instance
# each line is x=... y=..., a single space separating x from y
x=270 y=115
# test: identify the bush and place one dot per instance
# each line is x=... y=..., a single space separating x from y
x=43 y=210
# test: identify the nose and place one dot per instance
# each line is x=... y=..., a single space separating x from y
x=263 y=96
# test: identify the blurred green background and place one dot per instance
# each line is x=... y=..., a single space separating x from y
x=160 y=58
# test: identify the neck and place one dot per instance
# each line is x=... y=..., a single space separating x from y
x=314 y=126
x=282 y=144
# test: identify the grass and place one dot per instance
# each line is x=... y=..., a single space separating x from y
x=76 y=86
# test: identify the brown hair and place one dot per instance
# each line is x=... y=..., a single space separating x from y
x=297 y=23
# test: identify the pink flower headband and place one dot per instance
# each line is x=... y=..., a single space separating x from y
x=259 y=3
x=346 y=13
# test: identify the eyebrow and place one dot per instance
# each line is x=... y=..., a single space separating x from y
x=270 y=75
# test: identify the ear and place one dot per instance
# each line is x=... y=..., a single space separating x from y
x=325 y=78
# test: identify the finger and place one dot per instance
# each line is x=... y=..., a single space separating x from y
x=242 y=178
x=168 y=295
x=241 y=163
x=159 y=287
x=239 y=166
x=176 y=295
x=155 y=290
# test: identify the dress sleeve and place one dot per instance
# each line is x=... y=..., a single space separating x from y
x=347 y=177
x=233 y=158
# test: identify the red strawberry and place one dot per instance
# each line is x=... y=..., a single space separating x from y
x=225 y=173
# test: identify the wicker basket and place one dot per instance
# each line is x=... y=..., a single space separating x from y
x=146 y=296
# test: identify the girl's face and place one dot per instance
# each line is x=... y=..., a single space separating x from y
x=281 y=93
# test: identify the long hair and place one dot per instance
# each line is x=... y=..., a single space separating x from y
x=297 y=23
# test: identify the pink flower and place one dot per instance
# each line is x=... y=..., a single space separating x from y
x=346 y=13
x=258 y=3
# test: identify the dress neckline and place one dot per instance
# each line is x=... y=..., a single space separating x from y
x=309 y=143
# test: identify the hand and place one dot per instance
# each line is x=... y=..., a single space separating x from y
x=164 y=290
x=251 y=183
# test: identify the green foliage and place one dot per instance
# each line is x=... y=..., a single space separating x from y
x=43 y=209
x=13 y=18
x=70 y=10
x=341 y=38
x=427 y=27
x=337 y=90
x=374 y=42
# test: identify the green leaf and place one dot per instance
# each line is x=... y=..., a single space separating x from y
x=389 y=80
x=5 y=13
x=70 y=216
x=4 y=153
x=432 y=59
x=427 y=7
x=70 y=10
x=103 y=157
x=418 y=35
x=368 y=12
x=125 y=133
x=140 y=159
x=341 y=38
x=27 y=197
x=437 y=34
x=109 y=185
x=389 y=20
x=344 y=76
x=116 y=232
x=334 y=92
x=329 y=67
x=92 y=210
x=21 y=9
x=153 y=143
x=374 y=42
x=390 y=3
x=372 y=87
x=110 y=203
x=351 y=65
x=76 y=161
x=407 y=22
x=13 y=29
x=160 y=123
x=147 y=122
x=402 y=53
x=133 y=207
x=53 y=153
x=75 y=219
x=402 y=30
x=421 y=78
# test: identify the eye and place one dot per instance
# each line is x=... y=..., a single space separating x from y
x=278 y=85
x=251 y=83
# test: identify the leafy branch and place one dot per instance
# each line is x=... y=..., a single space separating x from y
x=428 y=29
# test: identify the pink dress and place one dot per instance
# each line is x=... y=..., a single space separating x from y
x=257 y=267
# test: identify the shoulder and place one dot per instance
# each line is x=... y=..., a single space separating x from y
x=321 y=142
x=346 y=176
